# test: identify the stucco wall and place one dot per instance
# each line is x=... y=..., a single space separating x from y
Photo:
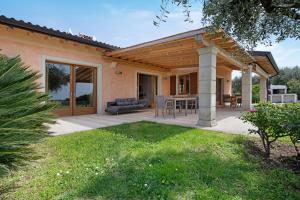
x=225 y=72
x=34 y=48
x=222 y=72
x=118 y=80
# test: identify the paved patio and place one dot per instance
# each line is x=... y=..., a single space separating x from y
x=227 y=121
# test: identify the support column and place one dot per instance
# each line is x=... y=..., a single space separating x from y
x=247 y=88
x=263 y=92
x=207 y=86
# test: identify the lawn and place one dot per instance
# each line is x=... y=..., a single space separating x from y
x=148 y=161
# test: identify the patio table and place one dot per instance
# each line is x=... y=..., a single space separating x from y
x=182 y=99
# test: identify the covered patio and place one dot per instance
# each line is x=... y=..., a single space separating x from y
x=227 y=121
x=208 y=56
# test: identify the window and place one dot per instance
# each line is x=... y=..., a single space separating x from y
x=184 y=84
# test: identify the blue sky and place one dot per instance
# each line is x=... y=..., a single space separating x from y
x=122 y=23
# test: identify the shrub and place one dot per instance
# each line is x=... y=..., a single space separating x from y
x=23 y=113
x=255 y=93
x=292 y=123
x=267 y=118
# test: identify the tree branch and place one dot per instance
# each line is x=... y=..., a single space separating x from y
x=289 y=7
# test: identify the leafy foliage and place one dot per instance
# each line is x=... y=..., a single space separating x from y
x=255 y=93
x=237 y=87
x=23 y=113
x=250 y=21
x=289 y=76
x=292 y=123
x=294 y=86
x=267 y=118
x=286 y=74
x=275 y=121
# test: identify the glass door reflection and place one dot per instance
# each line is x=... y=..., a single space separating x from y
x=58 y=83
x=85 y=90
x=72 y=87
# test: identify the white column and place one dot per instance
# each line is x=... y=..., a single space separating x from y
x=207 y=86
x=247 y=88
x=263 y=89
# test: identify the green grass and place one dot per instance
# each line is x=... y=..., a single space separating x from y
x=148 y=161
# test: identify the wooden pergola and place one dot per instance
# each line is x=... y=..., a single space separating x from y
x=180 y=51
x=205 y=51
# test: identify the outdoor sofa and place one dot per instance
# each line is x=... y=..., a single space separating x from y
x=126 y=105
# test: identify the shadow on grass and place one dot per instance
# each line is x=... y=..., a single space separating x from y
x=187 y=174
x=145 y=131
x=12 y=160
x=282 y=155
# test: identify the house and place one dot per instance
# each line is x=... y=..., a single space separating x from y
x=83 y=75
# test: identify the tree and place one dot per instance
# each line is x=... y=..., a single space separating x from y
x=294 y=86
x=270 y=123
x=250 y=21
x=289 y=76
x=286 y=74
x=23 y=113
x=255 y=93
x=237 y=86
x=292 y=124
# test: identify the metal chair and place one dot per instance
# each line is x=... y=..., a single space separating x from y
x=163 y=104
x=226 y=99
x=159 y=105
x=233 y=102
x=193 y=105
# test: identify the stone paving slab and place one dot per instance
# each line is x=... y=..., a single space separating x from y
x=227 y=121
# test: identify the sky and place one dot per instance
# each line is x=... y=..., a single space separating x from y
x=123 y=22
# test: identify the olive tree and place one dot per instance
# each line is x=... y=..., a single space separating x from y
x=249 y=21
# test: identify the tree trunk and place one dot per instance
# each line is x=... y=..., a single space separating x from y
x=266 y=145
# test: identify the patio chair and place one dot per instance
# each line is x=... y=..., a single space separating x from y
x=226 y=99
x=193 y=105
x=163 y=104
x=233 y=102
x=239 y=101
x=169 y=106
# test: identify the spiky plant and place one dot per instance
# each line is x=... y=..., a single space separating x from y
x=23 y=113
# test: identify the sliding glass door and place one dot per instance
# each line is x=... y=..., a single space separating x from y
x=72 y=88
x=85 y=90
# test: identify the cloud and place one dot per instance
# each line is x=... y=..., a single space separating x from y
x=285 y=53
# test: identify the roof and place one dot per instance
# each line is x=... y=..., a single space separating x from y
x=52 y=32
x=278 y=87
x=265 y=59
x=165 y=52
x=180 y=50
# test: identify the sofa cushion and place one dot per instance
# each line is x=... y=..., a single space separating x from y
x=122 y=102
x=126 y=102
x=132 y=101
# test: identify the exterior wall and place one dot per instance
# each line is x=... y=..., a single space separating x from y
x=222 y=72
x=34 y=48
x=225 y=72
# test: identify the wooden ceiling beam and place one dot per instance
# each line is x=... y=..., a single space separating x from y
x=141 y=64
x=166 y=56
x=142 y=49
